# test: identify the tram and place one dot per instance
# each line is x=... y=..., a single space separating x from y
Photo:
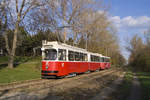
x=59 y=60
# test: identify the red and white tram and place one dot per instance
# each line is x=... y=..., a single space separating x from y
x=60 y=60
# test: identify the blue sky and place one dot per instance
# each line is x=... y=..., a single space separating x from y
x=129 y=7
x=130 y=17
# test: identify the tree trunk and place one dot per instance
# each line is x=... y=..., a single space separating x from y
x=14 y=45
x=13 y=51
x=11 y=62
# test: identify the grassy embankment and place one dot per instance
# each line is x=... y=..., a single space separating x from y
x=27 y=69
x=144 y=78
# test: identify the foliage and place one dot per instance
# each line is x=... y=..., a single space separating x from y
x=140 y=54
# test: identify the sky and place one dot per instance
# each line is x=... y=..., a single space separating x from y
x=130 y=17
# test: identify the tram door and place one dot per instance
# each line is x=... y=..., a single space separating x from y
x=62 y=59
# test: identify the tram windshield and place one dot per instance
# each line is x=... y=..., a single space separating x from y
x=50 y=54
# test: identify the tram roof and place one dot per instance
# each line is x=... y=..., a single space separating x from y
x=55 y=44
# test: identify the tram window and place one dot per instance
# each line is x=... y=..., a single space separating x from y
x=50 y=54
x=77 y=57
x=61 y=54
x=81 y=57
x=108 y=60
x=105 y=59
x=97 y=59
x=85 y=57
x=102 y=59
x=71 y=56
x=92 y=58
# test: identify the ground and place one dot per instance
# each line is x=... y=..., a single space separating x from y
x=92 y=86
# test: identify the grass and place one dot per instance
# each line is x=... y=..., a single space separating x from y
x=144 y=78
x=126 y=85
x=24 y=71
x=124 y=89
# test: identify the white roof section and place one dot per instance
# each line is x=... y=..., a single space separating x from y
x=105 y=57
x=95 y=54
x=56 y=45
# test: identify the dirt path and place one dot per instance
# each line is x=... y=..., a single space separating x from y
x=105 y=92
x=135 y=93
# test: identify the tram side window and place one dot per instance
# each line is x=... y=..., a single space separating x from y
x=97 y=59
x=61 y=54
x=103 y=59
x=71 y=56
x=77 y=56
x=107 y=60
x=81 y=57
x=85 y=57
x=94 y=58
x=91 y=57
x=100 y=59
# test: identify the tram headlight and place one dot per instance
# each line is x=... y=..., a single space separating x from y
x=46 y=67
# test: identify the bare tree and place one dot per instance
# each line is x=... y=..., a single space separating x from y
x=15 y=12
x=64 y=15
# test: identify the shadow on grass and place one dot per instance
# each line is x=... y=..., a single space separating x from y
x=3 y=65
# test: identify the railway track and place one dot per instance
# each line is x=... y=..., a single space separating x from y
x=64 y=81
x=42 y=84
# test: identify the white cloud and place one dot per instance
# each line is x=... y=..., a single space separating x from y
x=141 y=22
x=129 y=26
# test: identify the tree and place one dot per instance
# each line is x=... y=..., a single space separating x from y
x=14 y=17
x=135 y=47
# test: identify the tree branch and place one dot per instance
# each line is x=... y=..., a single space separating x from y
x=22 y=6
x=17 y=6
